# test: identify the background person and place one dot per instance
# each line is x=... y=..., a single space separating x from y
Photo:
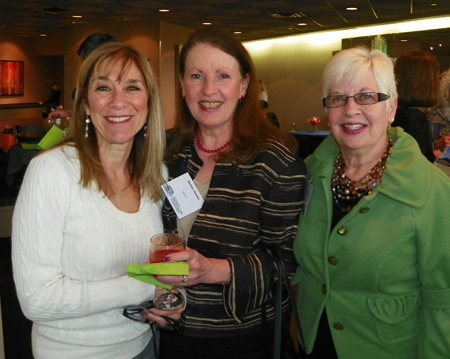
x=87 y=209
x=439 y=118
x=53 y=99
x=372 y=245
x=417 y=74
x=252 y=182
x=271 y=116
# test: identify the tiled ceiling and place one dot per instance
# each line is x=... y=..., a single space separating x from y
x=256 y=19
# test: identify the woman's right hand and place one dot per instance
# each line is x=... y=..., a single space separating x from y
x=201 y=269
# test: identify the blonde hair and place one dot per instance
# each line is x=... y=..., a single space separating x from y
x=145 y=162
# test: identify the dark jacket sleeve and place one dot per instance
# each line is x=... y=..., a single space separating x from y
x=416 y=123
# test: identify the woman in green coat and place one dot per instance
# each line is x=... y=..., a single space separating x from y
x=373 y=245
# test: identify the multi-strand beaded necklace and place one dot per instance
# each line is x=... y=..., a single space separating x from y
x=347 y=193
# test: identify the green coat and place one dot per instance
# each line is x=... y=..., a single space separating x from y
x=383 y=273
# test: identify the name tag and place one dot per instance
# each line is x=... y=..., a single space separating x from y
x=183 y=195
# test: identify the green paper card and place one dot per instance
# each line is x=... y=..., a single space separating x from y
x=146 y=272
x=51 y=138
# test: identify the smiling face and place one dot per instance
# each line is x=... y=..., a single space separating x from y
x=357 y=128
x=212 y=85
x=117 y=103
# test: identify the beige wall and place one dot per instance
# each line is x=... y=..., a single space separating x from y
x=291 y=69
x=172 y=37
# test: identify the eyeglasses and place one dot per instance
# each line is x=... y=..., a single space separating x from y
x=363 y=98
x=136 y=313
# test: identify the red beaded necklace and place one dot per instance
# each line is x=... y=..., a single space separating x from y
x=203 y=149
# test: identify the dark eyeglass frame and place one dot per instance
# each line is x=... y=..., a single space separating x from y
x=134 y=312
x=357 y=97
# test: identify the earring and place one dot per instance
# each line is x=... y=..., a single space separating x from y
x=86 y=129
x=145 y=130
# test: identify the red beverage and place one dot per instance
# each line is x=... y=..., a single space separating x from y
x=158 y=257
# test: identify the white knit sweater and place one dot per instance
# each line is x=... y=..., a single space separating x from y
x=70 y=250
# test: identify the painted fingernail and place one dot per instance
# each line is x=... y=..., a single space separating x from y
x=167 y=259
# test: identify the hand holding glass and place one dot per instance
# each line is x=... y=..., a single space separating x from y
x=161 y=245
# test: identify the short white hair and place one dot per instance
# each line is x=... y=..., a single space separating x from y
x=354 y=64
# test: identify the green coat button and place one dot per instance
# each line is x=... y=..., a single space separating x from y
x=338 y=326
x=333 y=260
x=364 y=210
x=342 y=231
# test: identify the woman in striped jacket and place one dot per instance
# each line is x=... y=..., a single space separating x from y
x=251 y=180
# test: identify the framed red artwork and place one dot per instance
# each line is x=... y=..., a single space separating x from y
x=11 y=78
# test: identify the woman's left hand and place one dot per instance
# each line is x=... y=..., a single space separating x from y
x=201 y=269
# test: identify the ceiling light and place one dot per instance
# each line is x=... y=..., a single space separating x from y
x=164 y=10
x=403 y=40
x=77 y=16
x=42 y=35
x=302 y=24
x=238 y=32
x=351 y=8
x=206 y=23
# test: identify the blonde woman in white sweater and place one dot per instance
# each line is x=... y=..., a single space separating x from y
x=87 y=209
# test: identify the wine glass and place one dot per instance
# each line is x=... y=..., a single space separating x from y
x=161 y=245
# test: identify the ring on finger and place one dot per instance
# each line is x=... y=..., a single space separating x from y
x=185 y=278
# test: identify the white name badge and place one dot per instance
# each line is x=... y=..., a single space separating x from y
x=183 y=195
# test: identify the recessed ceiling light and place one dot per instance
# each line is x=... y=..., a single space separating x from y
x=433 y=4
x=403 y=40
x=238 y=32
x=351 y=8
x=42 y=35
x=302 y=24
x=164 y=10
x=206 y=23
x=77 y=16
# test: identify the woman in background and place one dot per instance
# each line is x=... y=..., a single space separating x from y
x=87 y=209
x=440 y=117
x=372 y=245
x=417 y=74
